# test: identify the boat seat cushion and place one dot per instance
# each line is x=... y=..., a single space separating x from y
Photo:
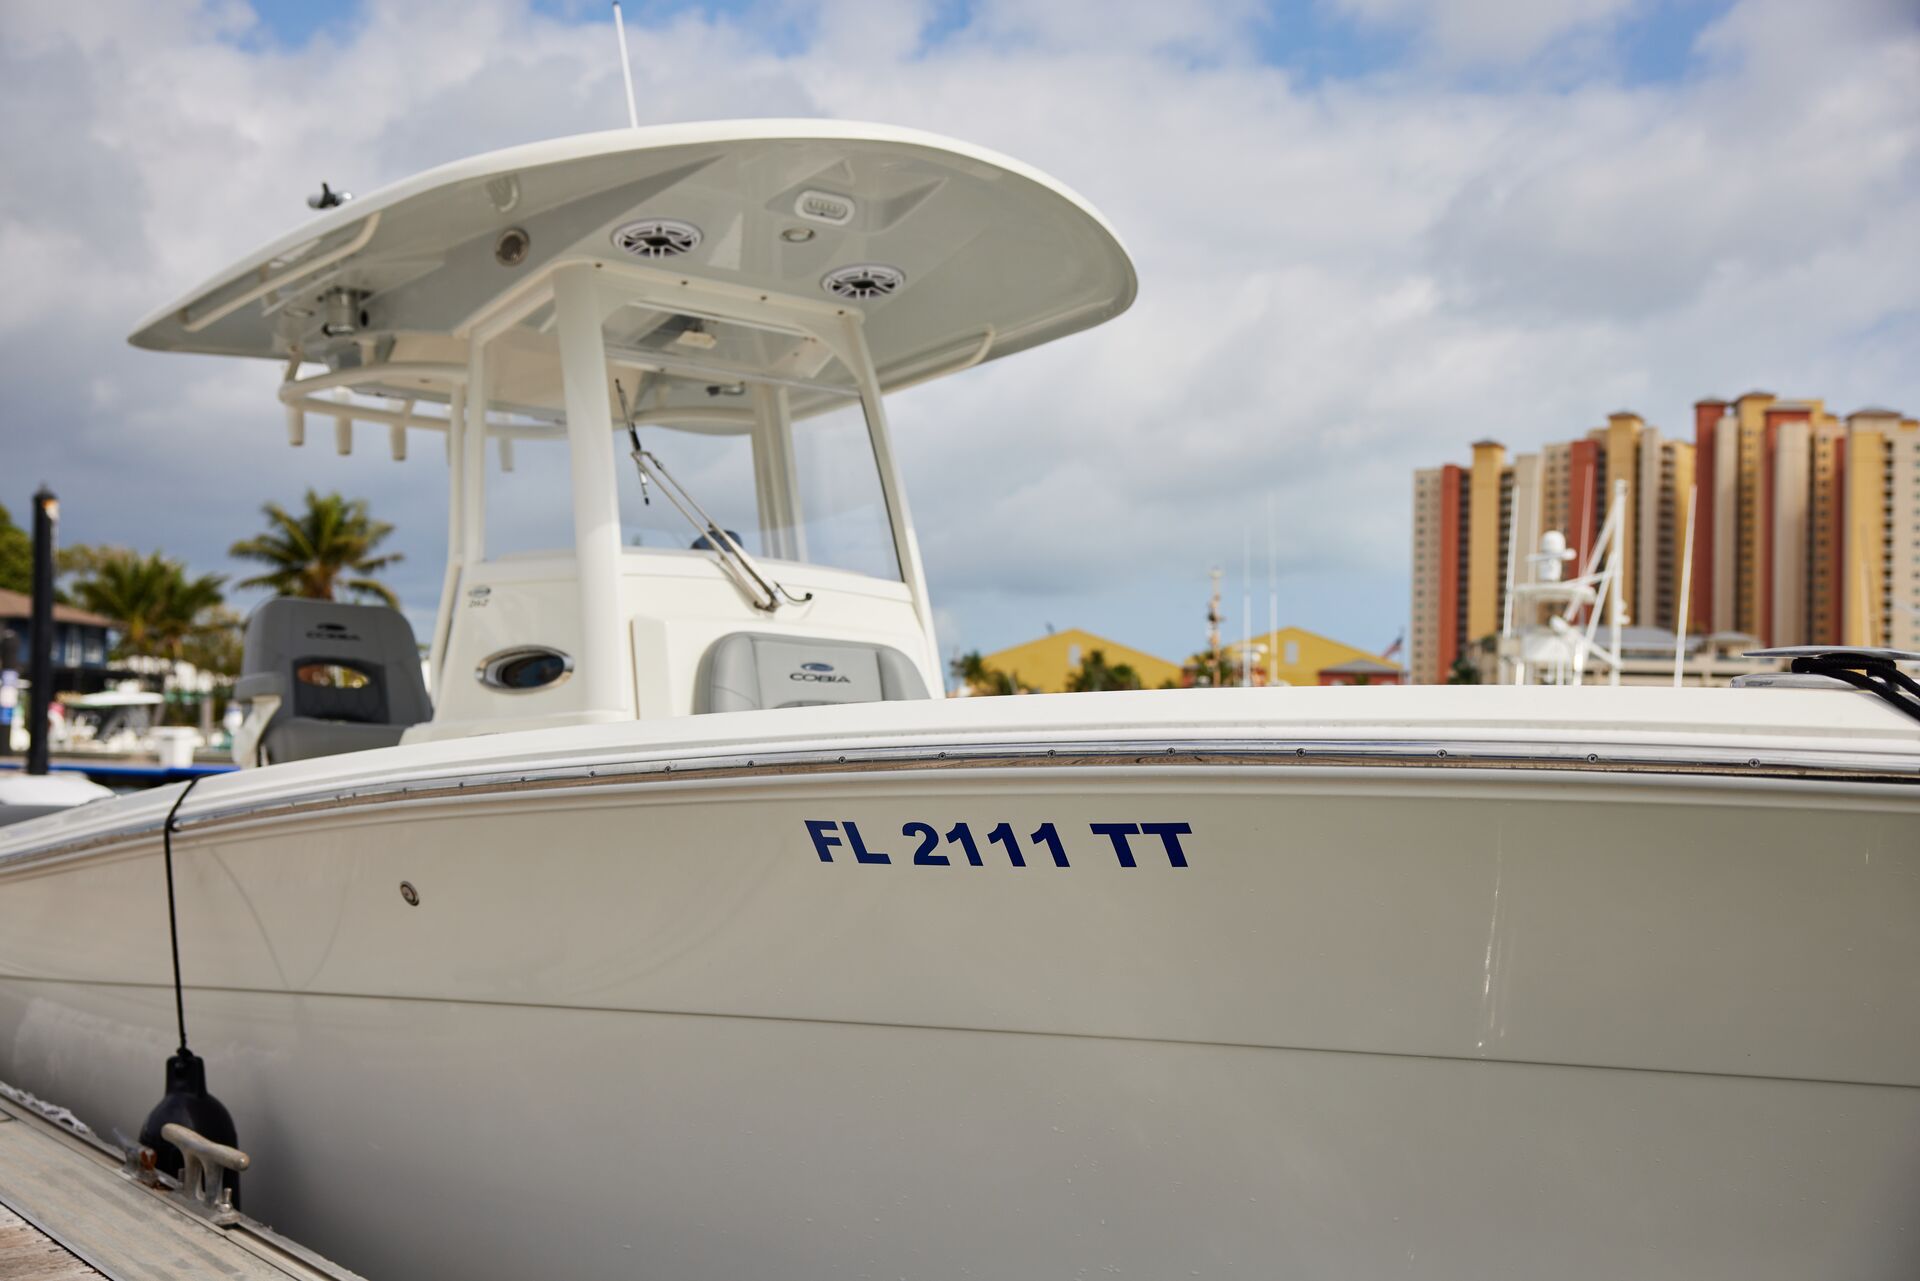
x=347 y=676
x=748 y=671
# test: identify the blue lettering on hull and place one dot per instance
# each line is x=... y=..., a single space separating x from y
x=1155 y=841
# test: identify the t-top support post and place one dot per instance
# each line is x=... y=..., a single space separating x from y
x=853 y=352
x=602 y=668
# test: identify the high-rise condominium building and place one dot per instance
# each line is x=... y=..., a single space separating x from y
x=1806 y=527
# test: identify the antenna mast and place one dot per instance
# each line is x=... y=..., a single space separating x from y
x=1213 y=628
x=1273 y=602
x=626 y=68
x=1246 y=607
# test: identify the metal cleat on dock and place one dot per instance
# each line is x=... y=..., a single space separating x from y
x=202 y=1187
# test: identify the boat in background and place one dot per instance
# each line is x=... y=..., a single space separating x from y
x=26 y=796
x=684 y=931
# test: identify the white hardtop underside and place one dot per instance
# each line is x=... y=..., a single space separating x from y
x=991 y=256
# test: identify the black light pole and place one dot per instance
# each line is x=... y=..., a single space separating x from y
x=46 y=513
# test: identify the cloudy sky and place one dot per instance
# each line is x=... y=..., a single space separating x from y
x=1368 y=232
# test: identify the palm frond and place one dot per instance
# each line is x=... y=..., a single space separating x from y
x=312 y=552
x=370 y=587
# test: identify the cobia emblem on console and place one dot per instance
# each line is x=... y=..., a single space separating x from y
x=819 y=672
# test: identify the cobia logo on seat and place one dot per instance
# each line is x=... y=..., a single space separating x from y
x=819 y=672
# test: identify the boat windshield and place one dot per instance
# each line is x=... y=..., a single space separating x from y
x=758 y=428
x=811 y=497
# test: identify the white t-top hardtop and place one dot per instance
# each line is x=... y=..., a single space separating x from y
x=989 y=252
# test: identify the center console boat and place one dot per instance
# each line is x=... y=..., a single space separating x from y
x=676 y=926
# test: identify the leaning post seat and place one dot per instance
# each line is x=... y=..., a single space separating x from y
x=751 y=670
x=321 y=678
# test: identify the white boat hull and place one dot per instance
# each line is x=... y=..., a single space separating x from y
x=1386 y=1019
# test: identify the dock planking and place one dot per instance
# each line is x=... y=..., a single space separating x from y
x=66 y=1212
x=28 y=1254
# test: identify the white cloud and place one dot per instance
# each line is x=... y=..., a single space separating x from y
x=1339 y=283
x=1490 y=31
x=1193 y=28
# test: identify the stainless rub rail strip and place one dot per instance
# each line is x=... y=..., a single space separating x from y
x=1158 y=753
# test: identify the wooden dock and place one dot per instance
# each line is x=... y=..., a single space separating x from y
x=69 y=1213
x=28 y=1254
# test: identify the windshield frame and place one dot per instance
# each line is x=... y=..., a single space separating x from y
x=510 y=345
x=767 y=423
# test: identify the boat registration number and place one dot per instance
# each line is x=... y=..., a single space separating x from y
x=926 y=845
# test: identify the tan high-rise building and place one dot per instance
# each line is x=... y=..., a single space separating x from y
x=1555 y=487
x=1903 y=533
x=1440 y=507
x=1524 y=505
x=1751 y=564
x=1862 y=589
x=1620 y=443
x=1880 y=590
x=1826 y=532
x=1645 y=501
x=1660 y=498
x=1486 y=538
x=1675 y=487
x=1790 y=488
x=1806 y=530
x=1714 y=599
x=1423 y=631
x=1801 y=521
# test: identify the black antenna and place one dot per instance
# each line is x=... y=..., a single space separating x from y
x=173 y=916
x=626 y=414
x=186 y=1100
x=633 y=434
x=328 y=198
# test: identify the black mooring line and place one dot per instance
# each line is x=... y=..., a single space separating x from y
x=1869 y=672
x=173 y=917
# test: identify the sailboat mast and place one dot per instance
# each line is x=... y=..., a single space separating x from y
x=1213 y=628
x=1273 y=601
x=1246 y=607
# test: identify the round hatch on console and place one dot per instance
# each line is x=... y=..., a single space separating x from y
x=524 y=669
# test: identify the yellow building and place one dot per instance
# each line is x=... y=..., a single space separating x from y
x=1046 y=664
x=1298 y=656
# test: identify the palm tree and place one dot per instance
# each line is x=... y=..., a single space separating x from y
x=1096 y=673
x=1211 y=668
x=217 y=646
x=313 y=553
x=16 y=555
x=159 y=609
x=969 y=669
x=972 y=671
